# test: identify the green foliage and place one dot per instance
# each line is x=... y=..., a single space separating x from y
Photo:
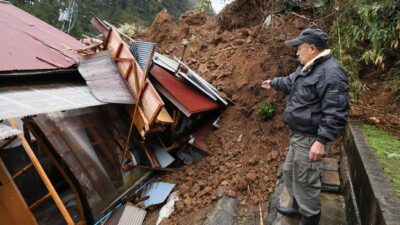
x=117 y=12
x=387 y=149
x=290 y=5
x=130 y=29
x=267 y=110
x=366 y=33
x=203 y=5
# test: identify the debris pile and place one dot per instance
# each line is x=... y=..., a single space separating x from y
x=174 y=106
x=246 y=151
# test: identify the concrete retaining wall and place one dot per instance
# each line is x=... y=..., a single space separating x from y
x=367 y=187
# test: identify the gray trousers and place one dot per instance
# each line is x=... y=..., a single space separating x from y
x=302 y=175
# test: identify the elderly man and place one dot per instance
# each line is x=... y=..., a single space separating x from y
x=316 y=111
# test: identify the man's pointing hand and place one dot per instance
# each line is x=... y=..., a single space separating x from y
x=266 y=84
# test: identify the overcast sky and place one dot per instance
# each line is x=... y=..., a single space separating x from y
x=218 y=5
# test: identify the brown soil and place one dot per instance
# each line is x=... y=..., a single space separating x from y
x=246 y=151
x=377 y=104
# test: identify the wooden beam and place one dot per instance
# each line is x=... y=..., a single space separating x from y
x=42 y=174
x=21 y=171
x=118 y=51
x=39 y=201
x=136 y=78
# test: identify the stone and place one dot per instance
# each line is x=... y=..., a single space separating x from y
x=220 y=191
x=224 y=183
x=250 y=177
x=274 y=154
x=184 y=188
x=241 y=184
x=180 y=205
x=231 y=193
x=253 y=162
x=207 y=189
x=249 y=40
x=201 y=183
x=189 y=171
x=224 y=212
x=187 y=201
x=196 y=188
x=239 y=41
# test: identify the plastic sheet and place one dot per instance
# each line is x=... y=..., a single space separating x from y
x=84 y=139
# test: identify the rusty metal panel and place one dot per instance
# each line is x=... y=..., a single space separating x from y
x=126 y=215
x=141 y=50
x=189 y=100
x=6 y=131
x=104 y=81
x=28 y=43
x=27 y=100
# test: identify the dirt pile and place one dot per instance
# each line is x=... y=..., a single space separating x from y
x=246 y=151
x=246 y=13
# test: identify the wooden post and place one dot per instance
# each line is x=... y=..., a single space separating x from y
x=42 y=174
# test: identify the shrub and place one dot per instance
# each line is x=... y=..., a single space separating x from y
x=366 y=34
x=267 y=110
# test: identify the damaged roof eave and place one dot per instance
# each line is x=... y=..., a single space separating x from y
x=16 y=73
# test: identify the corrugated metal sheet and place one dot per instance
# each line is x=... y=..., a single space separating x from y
x=6 y=131
x=165 y=62
x=126 y=215
x=158 y=193
x=28 y=43
x=191 y=100
x=141 y=50
x=27 y=100
x=104 y=81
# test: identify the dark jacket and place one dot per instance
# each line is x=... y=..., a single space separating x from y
x=318 y=99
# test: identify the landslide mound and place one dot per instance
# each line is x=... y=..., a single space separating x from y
x=246 y=151
x=242 y=13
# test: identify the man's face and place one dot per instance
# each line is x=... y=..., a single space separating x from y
x=306 y=52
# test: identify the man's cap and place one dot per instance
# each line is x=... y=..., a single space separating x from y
x=310 y=36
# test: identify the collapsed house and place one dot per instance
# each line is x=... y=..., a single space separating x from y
x=82 y=127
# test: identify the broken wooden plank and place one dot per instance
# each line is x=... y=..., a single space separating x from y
x=136 y=79
x=150 y=103
x=164 y=117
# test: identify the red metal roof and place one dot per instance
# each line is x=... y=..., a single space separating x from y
x=187 y=96
x=28 y=43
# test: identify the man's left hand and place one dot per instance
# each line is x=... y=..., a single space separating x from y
x=317 y=151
